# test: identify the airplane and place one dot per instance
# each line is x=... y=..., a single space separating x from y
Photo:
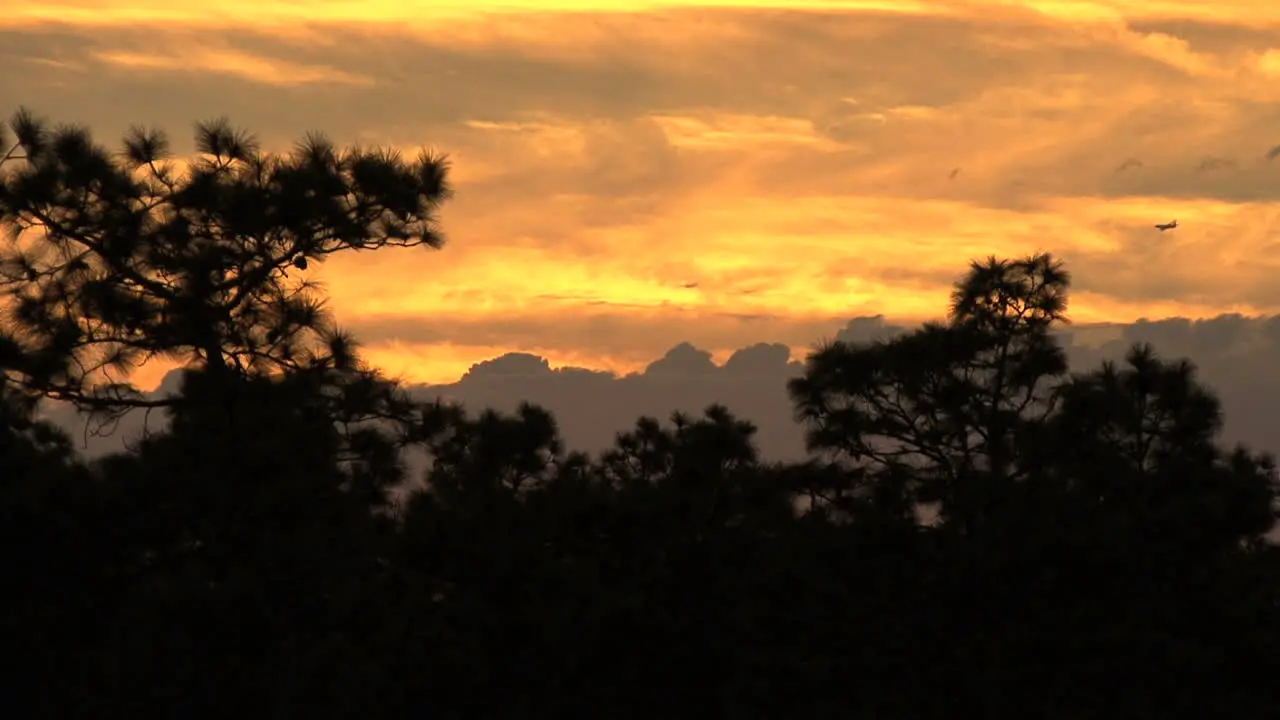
x=690 y=285
x=1167 y=226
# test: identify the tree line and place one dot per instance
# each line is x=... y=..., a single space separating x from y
x=978 y=530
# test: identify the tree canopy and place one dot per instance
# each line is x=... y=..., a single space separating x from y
x=115 y=259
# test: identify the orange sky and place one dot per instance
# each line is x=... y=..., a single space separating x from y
x=796 y=165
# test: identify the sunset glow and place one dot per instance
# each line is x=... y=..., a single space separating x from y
x=635 y=174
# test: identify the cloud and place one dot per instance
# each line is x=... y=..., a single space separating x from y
x=684 y=361
x=270 y=71
x=871 y=329
x=1236 y=356
x=762 y=359
x=520 y=364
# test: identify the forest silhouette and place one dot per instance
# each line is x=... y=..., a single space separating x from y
x=977 y=531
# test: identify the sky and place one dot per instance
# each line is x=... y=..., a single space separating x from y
x=635 y=175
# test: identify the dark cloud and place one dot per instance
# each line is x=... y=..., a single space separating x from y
x=863 y=330
x=759 y=359
x=1239 y=357
x=1211 y=164
x=519 y=364
x=637 y=332
x=683 y=360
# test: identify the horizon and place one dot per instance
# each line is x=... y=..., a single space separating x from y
x=1086 y=335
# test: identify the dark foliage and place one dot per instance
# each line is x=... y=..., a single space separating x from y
x=978 y=533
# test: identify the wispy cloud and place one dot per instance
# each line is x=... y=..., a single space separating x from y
x=255 y=68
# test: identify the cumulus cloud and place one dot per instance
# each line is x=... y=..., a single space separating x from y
x=683 y=360
x=518 y=364
x=1236 y=357
x=762 y=359
x=864 y=330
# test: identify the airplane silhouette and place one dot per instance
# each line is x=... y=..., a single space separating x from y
x=1167 y=226
x=690 y=285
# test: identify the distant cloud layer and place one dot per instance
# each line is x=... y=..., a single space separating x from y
x=1237 y=357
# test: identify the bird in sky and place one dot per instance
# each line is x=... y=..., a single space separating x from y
x=1167 y=226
